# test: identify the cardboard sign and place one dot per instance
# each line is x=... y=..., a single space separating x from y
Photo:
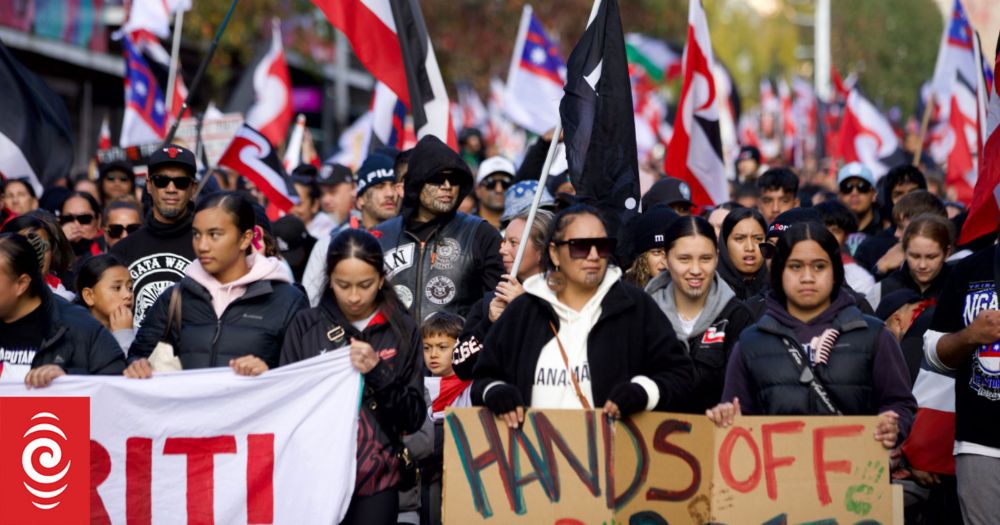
x=574 y=466
x=216 y=134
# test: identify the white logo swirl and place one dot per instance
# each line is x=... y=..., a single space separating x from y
x=44 y=453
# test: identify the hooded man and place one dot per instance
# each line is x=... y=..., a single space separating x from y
x=436 y=257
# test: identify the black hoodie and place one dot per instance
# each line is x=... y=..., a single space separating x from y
x=157 y=256
x=742 y=287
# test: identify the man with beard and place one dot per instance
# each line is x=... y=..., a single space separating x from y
x=158 y=253
x=495 y=175
x=439 y=259
x=378 y=200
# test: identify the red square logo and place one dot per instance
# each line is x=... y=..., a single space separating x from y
x=44 y=460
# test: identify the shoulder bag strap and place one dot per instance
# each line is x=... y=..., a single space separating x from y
x=173 y=312
x=572 y=376
x=807 y=377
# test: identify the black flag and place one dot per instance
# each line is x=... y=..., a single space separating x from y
x=35 y=138
x=598 y=122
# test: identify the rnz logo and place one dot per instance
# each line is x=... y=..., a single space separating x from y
x=45 y=467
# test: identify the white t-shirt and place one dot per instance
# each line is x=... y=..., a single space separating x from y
x=687 y=326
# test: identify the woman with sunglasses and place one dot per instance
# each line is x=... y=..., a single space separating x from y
x=703 y=310
x=579 y=337
x=121 y=219
x=235 y=305
x=104 y=287
x=80 y=217
x=814 y=352
x=741 y=264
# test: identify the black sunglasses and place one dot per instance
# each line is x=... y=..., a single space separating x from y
x=861 y=185
x=580 y=248
x=440 y=178
x=162 y=181
x=83 y=218
x=767 y=250
x=491 y=182
x=116 y=178
x=115 y=231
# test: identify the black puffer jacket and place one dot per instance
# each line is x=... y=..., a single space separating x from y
x=253 y=324
x=75 y=340
x=393 y=399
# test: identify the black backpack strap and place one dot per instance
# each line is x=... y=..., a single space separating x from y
x=808 y=377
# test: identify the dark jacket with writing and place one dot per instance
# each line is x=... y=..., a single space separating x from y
x=76 y=341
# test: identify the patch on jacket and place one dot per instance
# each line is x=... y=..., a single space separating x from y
x=714 y=335
x=387 y=353
x=398 y=259
x=440 y=290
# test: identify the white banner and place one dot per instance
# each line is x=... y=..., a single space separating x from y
x=209 y=446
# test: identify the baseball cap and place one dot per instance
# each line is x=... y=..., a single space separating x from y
x=493 y=165
x=293 y=240
x=668 y=190
x=173 y=155
x=855 y=169
x=334 y=174
x=376 y=169
x=786 y=219
x=749 y=153
x=518 y=199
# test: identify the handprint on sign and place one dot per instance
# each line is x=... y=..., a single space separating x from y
x=858 y=497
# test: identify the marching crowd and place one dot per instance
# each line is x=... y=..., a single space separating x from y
x=825 y=298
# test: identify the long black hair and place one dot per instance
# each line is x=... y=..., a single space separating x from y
x=744 y=286
x=91 y=270
x=691 y=226
x=735 y=217
x=805 y=231
x=562 y=221
x=237 y=205
x=363 y=246
x=35 y=220
x=23 y=255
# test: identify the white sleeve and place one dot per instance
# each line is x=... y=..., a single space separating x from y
x=931 y=339
x=314 y=277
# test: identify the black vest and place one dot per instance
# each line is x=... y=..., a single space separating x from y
x=437 y=274
x=847 y=376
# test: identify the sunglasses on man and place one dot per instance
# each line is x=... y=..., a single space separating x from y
x=162 y=181
x=115 y=231
x=848 y=186
x=84 y=218
x=491 y=182
x=439 y=179
x=580 y=248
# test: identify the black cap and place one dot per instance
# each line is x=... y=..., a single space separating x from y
x=334 y=174
x=749 y=153
x=305 y=170
x=116 y=165
x=293 y=240
x=173 y=155
x=668 y=190
x=894 y=301
x=650 y=227
x=786 y=219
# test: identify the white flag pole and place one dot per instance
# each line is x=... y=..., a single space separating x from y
x=175 y=50
x=549 y=157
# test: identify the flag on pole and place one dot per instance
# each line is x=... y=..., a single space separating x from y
x=660 y=60
x=695 y=152
x=153 y=16
x=252 y=156
x=35 y=138
x=867 y=137
x=145 y=115
x=158 y=59
x=388 y=120
x=104 y=138
x=597 y=118
x=536 y=77
x=984 y=211
x=293 y=151
x=271 y=112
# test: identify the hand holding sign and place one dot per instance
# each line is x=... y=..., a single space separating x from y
x=887 y=428
x=723 y=414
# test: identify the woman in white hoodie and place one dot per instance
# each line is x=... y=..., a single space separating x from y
x=235 y=304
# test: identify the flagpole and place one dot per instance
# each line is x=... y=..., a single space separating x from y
x=197 y=76
x=980 y=96
x=924 y=122
x=536 y=201
x=175 y=50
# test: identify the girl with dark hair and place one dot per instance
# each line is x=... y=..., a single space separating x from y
x=80 y=217
x=58 y=255
x=927 y=242
x=703 y=310
x=813 y=352
x=19 y=196
x=579 y=337
x=41 y=336
x=649 y=258
x=104 y=287
x=359 y=309
x=741 y=265
x=235 y=305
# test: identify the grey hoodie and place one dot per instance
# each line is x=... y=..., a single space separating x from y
x=719 y=295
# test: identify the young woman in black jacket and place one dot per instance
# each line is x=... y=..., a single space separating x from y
x=579 y=337
x=360 y=310
x=741 y=264
x=235 y=305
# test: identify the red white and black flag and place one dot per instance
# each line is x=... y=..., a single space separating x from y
x=252 y=156
x=35 y=138
x=597 y=118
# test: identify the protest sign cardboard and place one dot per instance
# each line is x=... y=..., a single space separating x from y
x=569 y=466
x=216 y=134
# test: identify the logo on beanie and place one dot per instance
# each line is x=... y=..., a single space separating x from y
x=685 y=190
x=658 y=238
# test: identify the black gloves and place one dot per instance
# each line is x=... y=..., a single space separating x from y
x=503 y=398
x=630 y=398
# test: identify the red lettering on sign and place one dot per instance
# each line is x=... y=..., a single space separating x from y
x=821 y=466
x=200 y=472
x=770 y=461
x=138 y=481
x=100 y=469
x=726 y=456
x=260 y=478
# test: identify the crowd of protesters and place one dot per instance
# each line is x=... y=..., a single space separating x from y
x=825 y=298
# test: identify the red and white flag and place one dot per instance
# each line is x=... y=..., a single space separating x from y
x=984 y=212
x=390 y=38
x=104 y=139
x=695 y=152
x=867 y=137
x=271 y=112
x=252 y=156
x=153 y=15
x=789 y=130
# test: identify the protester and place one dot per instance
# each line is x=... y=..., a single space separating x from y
x=235 y=306
x=741 y=264
x=702 y=309
x=648 y=253
x=748 y=164
x=43 y=337
x=116 y=180
x=80 y=217
x=57 y=254
x=495 y=176
x=670 y=191
x=360 y=310
x=308 y=208
x=854 y=365
x=856 y=184
x=779 y=189
x=927 y=242
x=121 y=219
x=882 y=254
x=336 y=186
x=294 y=243
x=158 y=253
x=840 y=222
x=104 y=287
x=519 y=198
x=439 y=259
x=903 y=179
x=19 y=196
x=580 y=338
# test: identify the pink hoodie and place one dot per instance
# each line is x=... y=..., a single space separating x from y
x=261 y=269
